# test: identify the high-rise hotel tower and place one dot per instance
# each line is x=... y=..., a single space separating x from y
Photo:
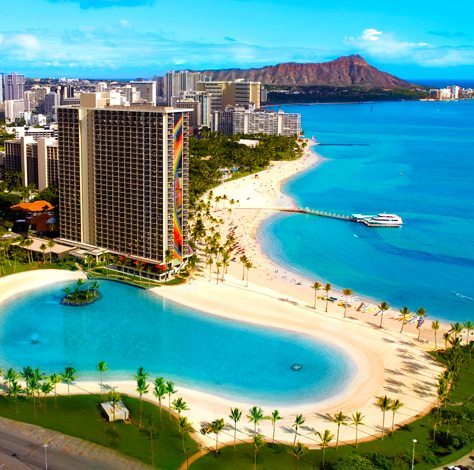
x=123 y=183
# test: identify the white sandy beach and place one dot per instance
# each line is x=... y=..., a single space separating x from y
x=387 y=362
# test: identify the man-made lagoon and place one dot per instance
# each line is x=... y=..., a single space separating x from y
x=130 y=327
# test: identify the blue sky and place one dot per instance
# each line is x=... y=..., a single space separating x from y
x=140 y=38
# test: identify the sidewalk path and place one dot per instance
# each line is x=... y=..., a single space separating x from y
x=21 y=448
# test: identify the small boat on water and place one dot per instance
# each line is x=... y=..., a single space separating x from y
x=380 y=220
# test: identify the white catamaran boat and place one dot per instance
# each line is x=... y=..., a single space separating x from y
x=380 y=220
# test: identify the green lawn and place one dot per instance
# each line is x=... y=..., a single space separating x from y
x=393 y=452
x=79 y=416
x=12 y=267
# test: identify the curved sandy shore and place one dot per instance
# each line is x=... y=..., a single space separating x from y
x=387 y=363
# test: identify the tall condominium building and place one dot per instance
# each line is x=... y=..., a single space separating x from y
x=37 y=161
x=1 y=88
x=184 y=80
x=160 y=86
x=235 y=93
x=147 y=90
x=204 y=100
x=64 y=92
x=123 y=182
x=188 y=103
x=250 y=121
x=13 y=86
x=14 y=109
x=50 y=103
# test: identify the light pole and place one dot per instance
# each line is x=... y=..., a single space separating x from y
x=413 y=454
x=45 y=446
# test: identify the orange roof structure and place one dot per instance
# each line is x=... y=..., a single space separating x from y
x=36 y=206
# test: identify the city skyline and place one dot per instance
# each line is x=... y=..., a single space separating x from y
x=142 y=38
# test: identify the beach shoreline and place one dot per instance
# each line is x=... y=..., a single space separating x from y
x=255 y=214
x=375 y=353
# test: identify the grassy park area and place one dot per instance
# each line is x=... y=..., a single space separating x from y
x=158 y=441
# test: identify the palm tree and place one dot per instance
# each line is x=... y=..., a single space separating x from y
x=395 y=406
x=299 y=421
x=170 y=390
x=435 y=328
x=210 y=262
x=384 y=306
x=14 y=389
x=384 y=403
x=51 y=244
x=298 y=452
x=68 y=376
x=159 y=390
x=141 y=374
x=235 y=415
x=404 y=316
x=421 y=312
x=316 y=286
x=151 y=429
x=216 y=427
x=102 y=368
x=326 y=437
x=347 y=293
x=179 y=405
x=275 y=416
x=43 y=249
x=456 y=328
x=184 y=427
x=46 y=387
x=54 y=379
x=10 y=376
x=327 y=289
x=114 y=398
x=255 y=416
x=340 y=419
x=142 y=388
x=469 y=325
x=248 y=266
x=27 y=373
x=357 y=420
x=257 y=442
x=446 y=337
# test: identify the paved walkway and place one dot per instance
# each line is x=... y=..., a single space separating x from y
x=467 y=462
x=21 y=448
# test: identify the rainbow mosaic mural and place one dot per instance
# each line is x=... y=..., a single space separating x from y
x=178 y=186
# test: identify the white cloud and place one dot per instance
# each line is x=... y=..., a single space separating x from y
x=380 y=44
x=26 y=41
x=371 y=34
x=386 y=46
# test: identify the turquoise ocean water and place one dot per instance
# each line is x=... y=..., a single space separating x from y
x=129 y=327
x=415 y=159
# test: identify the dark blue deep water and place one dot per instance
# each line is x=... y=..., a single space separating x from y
x=415 y=159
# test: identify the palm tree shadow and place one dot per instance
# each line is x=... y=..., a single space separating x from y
x=394 y=382
x=325 y=416
x=412 y=366
x=288 y=429
x=388 y=340
x=308 y=428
